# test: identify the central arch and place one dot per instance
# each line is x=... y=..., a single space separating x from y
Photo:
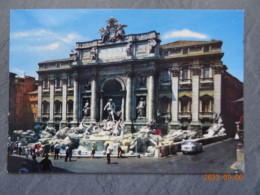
x=112 y=89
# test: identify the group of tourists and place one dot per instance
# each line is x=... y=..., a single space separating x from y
x=17 y=148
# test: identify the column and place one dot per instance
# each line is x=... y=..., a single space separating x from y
x=101 y=106
x=175 y=96
x=123 y=106
x=200 y=105
x=151 y=95
x=50 y=122
x=64 y=102
x=75 y=101
x=40 y=100
x=93 y=101
x=128 y=96
x=217 y=89
x=195 y=95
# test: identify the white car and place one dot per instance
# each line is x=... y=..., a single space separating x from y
x=191 y=146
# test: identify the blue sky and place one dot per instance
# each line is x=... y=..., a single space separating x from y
x=47 y=34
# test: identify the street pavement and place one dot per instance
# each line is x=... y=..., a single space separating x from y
x=215 y=158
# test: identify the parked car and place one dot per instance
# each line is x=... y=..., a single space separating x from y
x=191 y=146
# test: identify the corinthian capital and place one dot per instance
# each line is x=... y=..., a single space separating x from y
x=218 y=69
x=196 y=70
x=175 y=71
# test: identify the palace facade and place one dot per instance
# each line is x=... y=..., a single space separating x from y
x=180 y=84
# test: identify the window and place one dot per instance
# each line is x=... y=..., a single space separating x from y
x=185 y=104
x=164 y=106
x=45 y=107
x=57 y=82
x=165 y=75
x=207 y=103
x=70 y=81
x=57 y=105
x=206 y=72
x=45 y=83
x=185 y=51
x=206 y=49
x=58 y=65
x=184 y=73
x=70 y=106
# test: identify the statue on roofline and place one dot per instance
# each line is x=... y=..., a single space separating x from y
x=113 y=31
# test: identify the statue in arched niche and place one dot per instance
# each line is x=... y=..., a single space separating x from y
x=110 y=107
x=86 y=108
x=141 y=108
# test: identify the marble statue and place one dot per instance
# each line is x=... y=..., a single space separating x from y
x=86 y=108
x=129 y=49
x=110 y=107
x=75 y=55
x=104 y=34
x=141 y=108
x=93 y=54
x=152 y=44
x=120 y=34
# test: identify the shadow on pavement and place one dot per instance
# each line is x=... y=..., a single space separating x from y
x=16 y=162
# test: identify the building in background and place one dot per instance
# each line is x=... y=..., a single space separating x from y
x=24 y=118
x=12 y=92
x=177 y=85
x=33 y=101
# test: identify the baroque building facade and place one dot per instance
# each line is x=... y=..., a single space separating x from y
x=176 y=85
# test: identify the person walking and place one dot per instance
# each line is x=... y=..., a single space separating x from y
x=57 y=151
x=93 y=150
x=109 y=151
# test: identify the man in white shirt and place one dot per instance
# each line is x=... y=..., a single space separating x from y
x=19 y=148
x=109 y=151
x=57 y=151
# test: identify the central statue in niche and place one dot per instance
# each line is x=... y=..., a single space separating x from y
x=113 y=31
x=110 y=107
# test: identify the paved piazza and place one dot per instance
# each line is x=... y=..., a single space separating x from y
x=214 y=159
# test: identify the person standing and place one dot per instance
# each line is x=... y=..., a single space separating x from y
x=93 y=150
x=26 y=151
x=19 y=148
x=70 y=152
x=35 y=165
x=109 y=151
x=119 y=150
x=67 y=153
x=57 y=150
x=52 y=148
x=46 y=164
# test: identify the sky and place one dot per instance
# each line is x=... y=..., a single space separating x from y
x=38 y=35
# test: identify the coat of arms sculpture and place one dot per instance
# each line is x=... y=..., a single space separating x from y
x=113 y=31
